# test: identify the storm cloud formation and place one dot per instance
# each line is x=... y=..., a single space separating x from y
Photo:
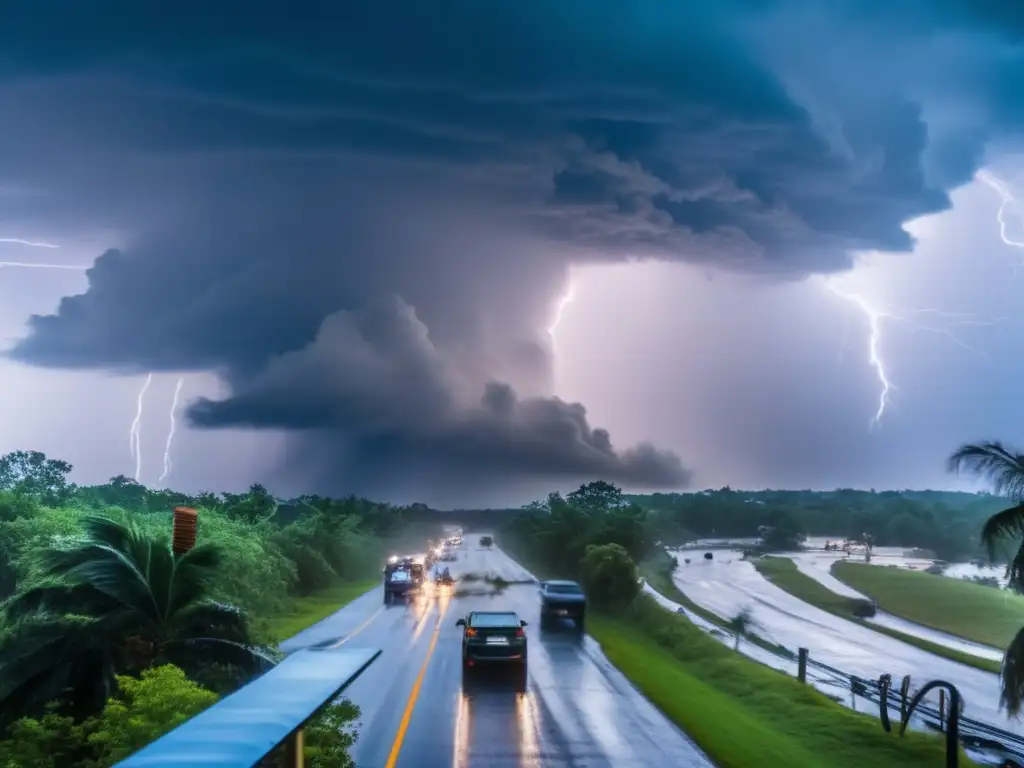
x=362 y=218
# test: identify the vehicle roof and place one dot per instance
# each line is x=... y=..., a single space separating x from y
x=512 y=616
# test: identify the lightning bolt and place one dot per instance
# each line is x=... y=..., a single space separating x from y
x=30 y=243
x=877 y=317
x=170 y=433
x=133 y=435
x=37 y=265
x=564 y=301
x=1006 y=199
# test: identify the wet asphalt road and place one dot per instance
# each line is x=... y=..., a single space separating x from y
x=577 y=709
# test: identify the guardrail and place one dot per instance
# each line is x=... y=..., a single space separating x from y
x=243 y=728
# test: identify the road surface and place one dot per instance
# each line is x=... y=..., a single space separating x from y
x=578 y=710
x=728 y=584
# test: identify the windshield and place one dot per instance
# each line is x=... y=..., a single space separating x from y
x=494 y=620
x=564 y=589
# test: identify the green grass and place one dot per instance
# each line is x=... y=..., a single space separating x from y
x=657 y=570
x=783 y=573
x=743 y=714
x=304 y=612
x=983 y=614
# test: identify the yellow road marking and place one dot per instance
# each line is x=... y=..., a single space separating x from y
x=396 y=748
x=358 y=629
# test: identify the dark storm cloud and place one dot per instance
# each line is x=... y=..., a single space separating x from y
x=270 y=171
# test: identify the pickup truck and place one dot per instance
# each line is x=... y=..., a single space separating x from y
x=562 y=600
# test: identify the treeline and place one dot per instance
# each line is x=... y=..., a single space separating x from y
x=104 y=631
x=944 y=522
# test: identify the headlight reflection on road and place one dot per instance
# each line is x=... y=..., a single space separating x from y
x=463 y=726
x=526 y=717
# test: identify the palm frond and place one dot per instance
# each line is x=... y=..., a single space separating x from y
x=1012 y=695
x=1002 y=525
x=59 y=600
x=109 y=570
x=194 y=573
x=1001 y=466
x=210 y=619
x=46 y=661
x=198 y=652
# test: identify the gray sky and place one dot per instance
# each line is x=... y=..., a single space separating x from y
x=348 y=234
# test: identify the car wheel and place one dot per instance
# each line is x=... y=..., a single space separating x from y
x=580 y=625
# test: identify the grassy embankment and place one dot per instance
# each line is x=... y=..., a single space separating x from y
x=783 y=573
x=972 y=611
x=741 y=713
x=657 y=570
x=304 y=612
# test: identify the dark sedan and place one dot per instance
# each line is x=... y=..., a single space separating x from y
x=493 y=637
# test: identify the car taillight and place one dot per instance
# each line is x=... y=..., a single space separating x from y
x=470 y=632
x=519 y=632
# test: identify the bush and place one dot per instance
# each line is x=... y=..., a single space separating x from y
x=610 y=577
x=486 y=541
x=142 y=710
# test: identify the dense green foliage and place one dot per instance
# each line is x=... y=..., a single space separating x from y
x=609 y=576
x=945 y=522
x=95 y=604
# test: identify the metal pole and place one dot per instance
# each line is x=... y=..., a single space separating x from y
x=942 y=709
x=295 y=750
x=801 y=665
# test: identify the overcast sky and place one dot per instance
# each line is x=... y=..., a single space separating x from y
x=348 y=234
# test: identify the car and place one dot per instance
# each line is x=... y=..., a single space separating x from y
x=493 y=637
x=562 y=600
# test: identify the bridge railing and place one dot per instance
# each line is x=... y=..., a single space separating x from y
x=243 y=728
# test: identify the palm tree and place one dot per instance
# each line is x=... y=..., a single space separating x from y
x=117 y=602
x=1004 y=469
x=741 y=624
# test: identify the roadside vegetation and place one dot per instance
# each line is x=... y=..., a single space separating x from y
x=741 y=713
x=784 y=574
x=108 y=639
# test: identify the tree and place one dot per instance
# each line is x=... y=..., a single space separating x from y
x=118 y=601
x=610 y=577
x=784 y=535
x=1004 y=469
x=252 y=507
x=741 y=625
x=595 y=496
x=30 y=473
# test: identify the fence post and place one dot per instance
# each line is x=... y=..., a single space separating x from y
x=904 y=694
x=942 y=709
x=801 y=665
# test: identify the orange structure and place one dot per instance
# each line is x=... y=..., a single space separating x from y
x=186 y=529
